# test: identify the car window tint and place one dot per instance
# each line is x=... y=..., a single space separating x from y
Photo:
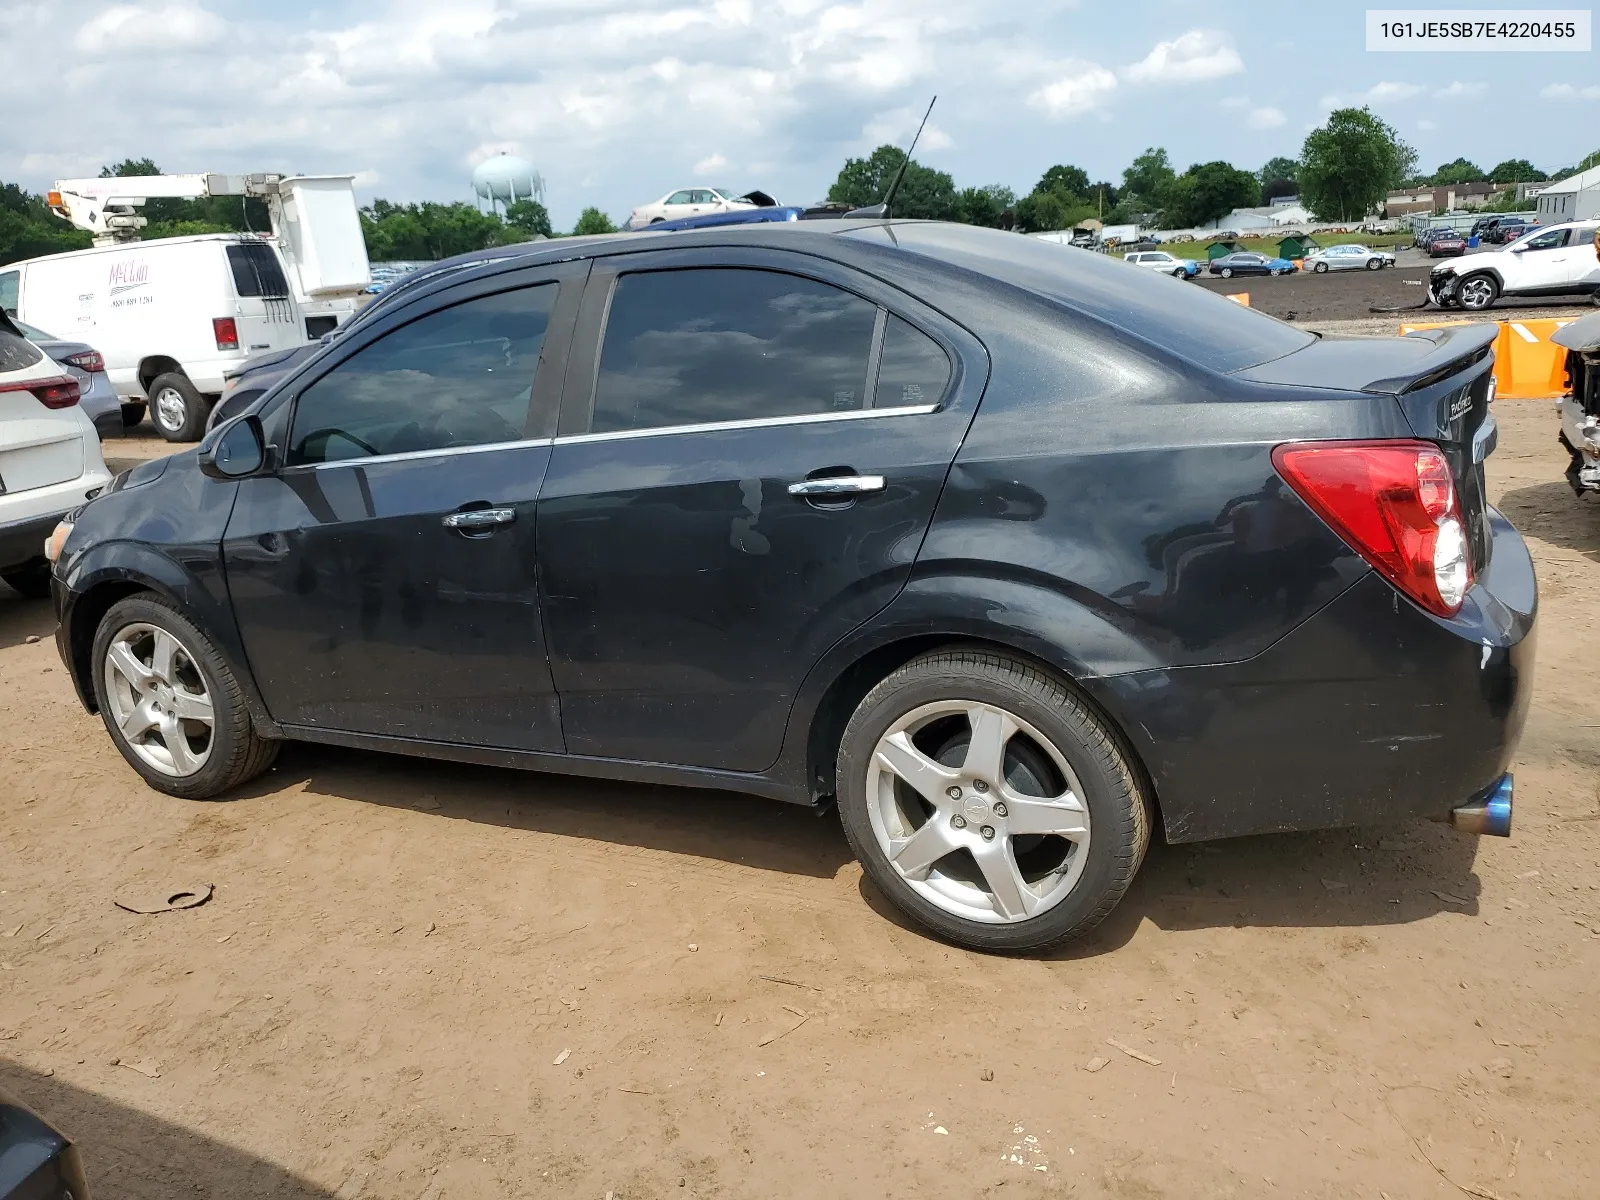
x=1553 y=240
x=728 y=344
x=10 y=285
x=257 y=272
x=461 y=376
x=678 y=198
x=914 y=368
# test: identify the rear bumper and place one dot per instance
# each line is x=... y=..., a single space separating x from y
x=23 y=541
x=1370 y=712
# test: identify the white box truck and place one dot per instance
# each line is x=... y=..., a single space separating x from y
x=171 y=316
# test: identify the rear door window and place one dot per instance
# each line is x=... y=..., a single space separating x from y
x=257 y=273
x=914 y=370
x=708 y=345
x=461 y=376
x=10 y=288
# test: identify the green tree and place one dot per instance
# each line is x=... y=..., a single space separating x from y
x=1207 y=191
x=1517 y=170
x=29 y=229
x=1348 y=165
x=986 y=205
x=1274 y=188
x=1458 y=171
x=1277 y=168
x=429 y=230
x=1067 y=181
x=1041 y=212
x=592 y=220
x=1145 y=183
x=530 y=217
x=923 y=192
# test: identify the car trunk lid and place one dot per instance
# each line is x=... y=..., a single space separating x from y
x=1442 y=381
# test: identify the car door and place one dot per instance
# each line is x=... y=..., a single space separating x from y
x=677 y=205
x=744 y=473
x=383 y=574
x=1542 y=263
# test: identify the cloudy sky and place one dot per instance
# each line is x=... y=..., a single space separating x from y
x=618 y=101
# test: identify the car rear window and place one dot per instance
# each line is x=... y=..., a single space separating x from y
x=257 y=273
x=1191 y=323
x=16 y=352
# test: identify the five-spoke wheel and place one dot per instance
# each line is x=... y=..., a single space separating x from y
x=171 y=701
x=989 y=801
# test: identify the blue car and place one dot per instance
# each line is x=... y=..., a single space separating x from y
x=740 y=216
x=1246 y=262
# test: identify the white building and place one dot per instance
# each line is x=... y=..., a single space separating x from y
x=1575 y=198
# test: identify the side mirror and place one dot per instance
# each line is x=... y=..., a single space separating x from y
x=234 y=450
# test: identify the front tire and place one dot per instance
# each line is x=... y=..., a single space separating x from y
x=989 y=803
x=171 y=702
x=1477 y=292
x=1374 y=264
x=31 y=579
x=178 y=407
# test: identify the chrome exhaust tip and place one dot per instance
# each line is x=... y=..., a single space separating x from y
x=1490 y=816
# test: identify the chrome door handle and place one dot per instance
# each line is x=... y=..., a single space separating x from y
x=480 y=518
x=838 y=485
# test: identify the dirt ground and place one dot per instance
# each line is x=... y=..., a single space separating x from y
x=428 y=980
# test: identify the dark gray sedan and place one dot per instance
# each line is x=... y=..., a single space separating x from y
x=82 y=361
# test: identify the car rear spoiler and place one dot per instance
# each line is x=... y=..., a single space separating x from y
x=1456 y=347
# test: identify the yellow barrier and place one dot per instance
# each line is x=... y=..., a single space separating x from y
x=1240 y=298
x=1527 y=364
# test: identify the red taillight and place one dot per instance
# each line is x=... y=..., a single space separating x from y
x=227 y=332
x=60 y=391
x=1395 y=503
x=89 y=361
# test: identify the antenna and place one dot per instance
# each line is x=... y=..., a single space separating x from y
x=881 y=209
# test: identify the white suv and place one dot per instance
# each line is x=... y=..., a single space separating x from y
x=1556 y=261
x=49 y=458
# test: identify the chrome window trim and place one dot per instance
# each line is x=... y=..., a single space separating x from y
x=409 y=455
x=910 y=410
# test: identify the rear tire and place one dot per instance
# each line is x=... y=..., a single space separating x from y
x=178 y=407
x=31 y=579
x=1321 y=268
x=1059 y=765
x=161 y=695
x=1226 y=272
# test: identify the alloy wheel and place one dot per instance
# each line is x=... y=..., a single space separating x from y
x=1476 y=292
x=159 y=700
x=977 y=811
x=170 y=408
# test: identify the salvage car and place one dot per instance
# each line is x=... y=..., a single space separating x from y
x=694 y=202
x=49 y=457
x=96 y=397
x=1446 y=244
x=1348 y=257
x=1247 y=262
x=1580 y=407
x=1013 y=554
x=1160 y=260
x=1555 y=260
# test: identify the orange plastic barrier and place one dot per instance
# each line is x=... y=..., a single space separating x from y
x=1240 y=298
x=1527 y=364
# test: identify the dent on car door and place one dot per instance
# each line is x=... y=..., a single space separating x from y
x=745 y=476
x=383 y=575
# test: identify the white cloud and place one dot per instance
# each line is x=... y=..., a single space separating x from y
x=1378 y=93
x=127 y=28
x=1565 y=91
x=1425 y=124
x=708 y=164
x=1265 y=117
x=898 y=126
x=1084 y=88
x=1194 y=57
x=1462 y=91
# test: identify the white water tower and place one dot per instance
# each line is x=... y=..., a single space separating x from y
x=504 y=179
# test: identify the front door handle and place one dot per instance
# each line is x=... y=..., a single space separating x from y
x=476 y=519
x=838 y=485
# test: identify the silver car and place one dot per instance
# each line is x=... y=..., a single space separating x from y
x=82 y=361
x=1347 y=258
